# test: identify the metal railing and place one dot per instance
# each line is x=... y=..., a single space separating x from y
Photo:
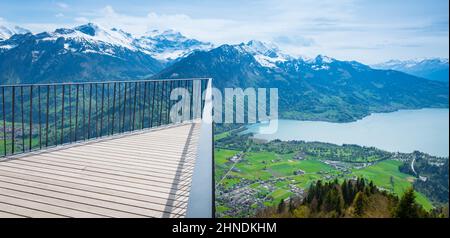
x=38 y=116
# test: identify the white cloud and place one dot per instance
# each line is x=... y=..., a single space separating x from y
x=59 y=15
x=207 y=29
x=346 y=29
x=293 y=30
x=62 y=5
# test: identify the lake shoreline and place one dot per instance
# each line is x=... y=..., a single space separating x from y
x=404 y=131
x=363 y=115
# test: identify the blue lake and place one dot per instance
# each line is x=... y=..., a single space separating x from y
x=425 y=130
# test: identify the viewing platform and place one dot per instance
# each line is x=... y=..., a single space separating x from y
x=160 y=171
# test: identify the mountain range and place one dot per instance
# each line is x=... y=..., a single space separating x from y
x=7 y=32
x=429 y=68
x=320 y=88
x=90 y=53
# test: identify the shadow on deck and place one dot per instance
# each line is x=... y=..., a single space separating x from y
x=141 y=174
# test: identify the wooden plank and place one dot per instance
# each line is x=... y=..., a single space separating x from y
x=83 y=176
x=43 y=196
x=146 y=156
x=63 y=211
x=102 y=159
x=133 y=175
x=94 y=189
x=83 y=180
x=87 y=194
x=180 y=189
x=26 y=212
x=74 y=165
x=9 y=215
x=92 y=170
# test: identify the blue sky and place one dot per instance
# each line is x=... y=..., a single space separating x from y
x=365 y=30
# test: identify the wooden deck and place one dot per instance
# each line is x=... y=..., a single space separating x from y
x=144 y=174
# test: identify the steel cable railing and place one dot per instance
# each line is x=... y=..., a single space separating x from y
x=38 y=116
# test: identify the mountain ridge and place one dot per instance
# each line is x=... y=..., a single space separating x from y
x=89 y=52
x=322 y=88
x=430 y=68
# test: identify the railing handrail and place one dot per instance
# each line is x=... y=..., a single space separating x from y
x=101 y=82
x=70 y=112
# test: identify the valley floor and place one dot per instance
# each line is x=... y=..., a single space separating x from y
x=253 y=175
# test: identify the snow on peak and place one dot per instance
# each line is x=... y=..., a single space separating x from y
x=259 y=47
x=323 y=59
x=267 y=54
x=94 y=38
x=7 y=32
x=164 y=45
x=169 y=44
x=89 y=29
x=169 y=35
x=320 y=62
x=113 y=36
x=411 y=63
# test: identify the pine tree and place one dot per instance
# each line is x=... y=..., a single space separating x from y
x=407 y=206
x=372 y=187
x=359 y=203
x=281 y=207
x=345 y=192
x=291 y=206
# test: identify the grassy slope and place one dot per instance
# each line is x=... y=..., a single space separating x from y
x=269 y=165
x=381 y=173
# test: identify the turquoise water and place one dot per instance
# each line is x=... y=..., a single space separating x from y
x=425 y=130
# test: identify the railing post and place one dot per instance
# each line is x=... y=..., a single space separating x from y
x=76 y=111
x=62 y=115
x=13 y=107
x=153 y=104
x=39 y=117
x=55 y=133
x=124 y=107
x=101 y=113
x=31 y=118
x=89 y=112
x=84 y=113
x=96 y=110
x=161 y=102
x=108 y=109
x=22 y=118
x=143 y=109
x=134 y=106
x=4 y=119
x=114 y=109
x=70 y=113
x=47 y=113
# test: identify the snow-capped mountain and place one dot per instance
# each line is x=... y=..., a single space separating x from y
x=267 y=54
x=90 y=52
x=6 y=32
x=84 y=53
x=429 y=68
x=89 y=38
x=169 y=45
x=92 y=38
